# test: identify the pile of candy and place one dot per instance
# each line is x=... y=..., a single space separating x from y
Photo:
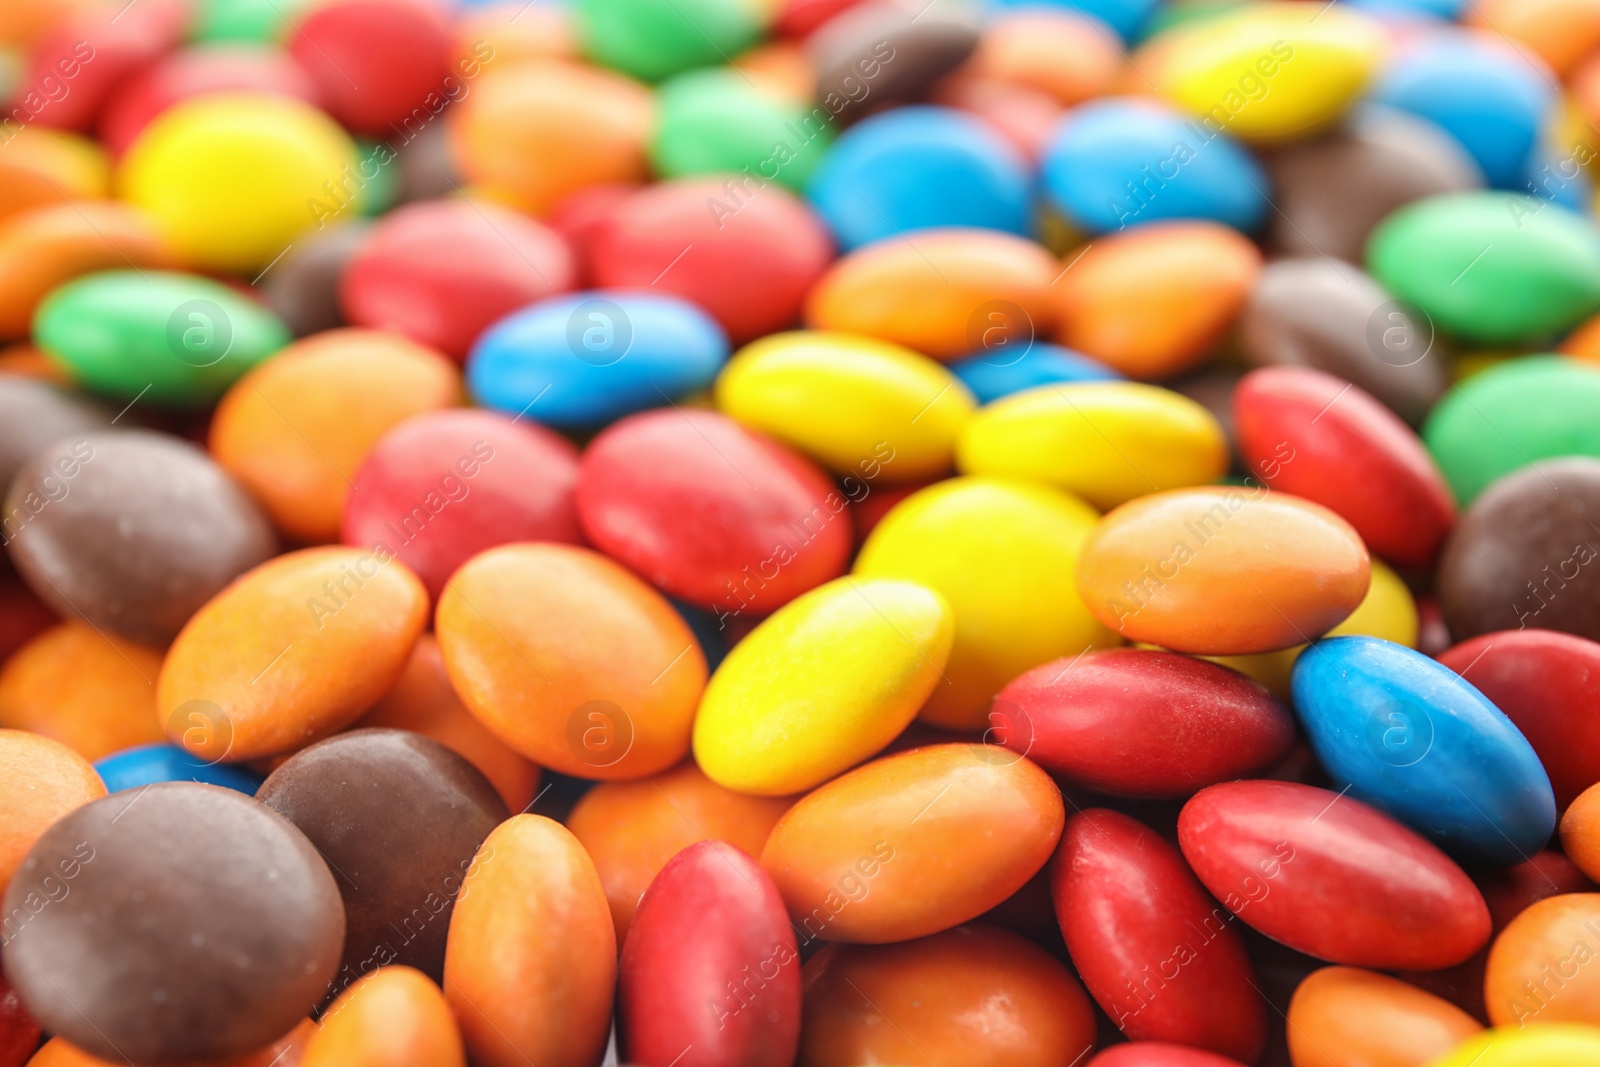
x=752 y=533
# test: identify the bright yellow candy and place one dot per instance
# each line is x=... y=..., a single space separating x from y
x=827 y=681
x=860 y=406
x=1004 y=554
x=1537 y=1045
x=1108 y=442
x=232 y=179
x=1270 y=72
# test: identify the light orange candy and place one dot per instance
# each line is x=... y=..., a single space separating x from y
x=1580 y=832
x=1560 y=32
x=501 y=35
x=40 y=166
x=51 y=245
x=40 y=781
x=1584 y=342
x=1349 y=1017
x=393 y=1017
x=1059 y=52
x=1544 y=967
x=94 y=693
x=284 y=1052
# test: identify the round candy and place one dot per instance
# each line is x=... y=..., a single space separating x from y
x=1107 y=442
x=393 y=1017
x=212 y=906
x=866 y=857
x=1536 y=971
x=47 y=167
x=1127 y=17
x=1064 y=53
x=296 y=431
x=1580 y=830
x=302 y=288
x=1142 y=723
x=1159 y=957
x=1361 y=1016
x=34 y=414
x=81 y=61
x=1560 y=32
x=711 y=513
x=1000 y=371
x=717 y=121
x=445 y=485
x=945 y=294
x=1023 y=117
x=651 y=39
x=105 y=548
x=1159 y=1054
x=245 y=20
x=443 y=271
x=44 y=248
x=589 y=358
x=1501 y=571
x=915 y=168
x=1116 y=162
x=135 y=768
x=178 y=340
x=42 y=782
x=1289 y=570
x=1409 y=736
x=875 y=51
x=1003 y=554
x=571 y=660
x=376 y=63
x=91 y=692
x=231 y=180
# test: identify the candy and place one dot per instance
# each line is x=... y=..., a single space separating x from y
x=1159 y=957
x=1560 y=32
x=79 y=63
x=45 y=167
x=34 y=414
x=44 y=781
x=1275 y=853
x=879 y=51
x=1002 y=553
x=1536 y=972
x=975 y=993
x=302 y=288
x=719 y=122
x=1011 y=369
x=393 y=1017
x=135 y=882
x=1580 y=831
x=91 y=692
x=1107 y=442
x=48 y=246
x=1344 y=1016
x=135 y=768
x=1158 y=1054
x=245 y=20
x=651 y=39
x=1057 y=51
x=376 y=63
x=864 y=858
x=1550 y=1045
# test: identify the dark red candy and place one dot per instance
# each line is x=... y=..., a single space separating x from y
x=380 y=65
x=710 y=512
x=1548 y=684
x=710 y=972
x=1311 y=434
x=746 y=254
x=442 y=271
x=75 y=69
x=444 y=486
x=1159 y=1054
x=19 y=1034
x=1157 y=954
x=1330 y=877
x=1142 y=723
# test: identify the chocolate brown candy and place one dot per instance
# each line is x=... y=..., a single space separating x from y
x=132 y=531
x=178 y=923
x=1527 y=554
x=398 y=817
x=427 y=169
x=303 y=286
x=1332 y=190
x=1332 y=317
x=883 y=52
x=34 y=414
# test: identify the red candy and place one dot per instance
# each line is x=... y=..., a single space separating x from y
x=1330 y=877
x=1548 y=684
x=746 y=255
x=444 y=486
x=1157 y=954
x=441 y=272
x=1139 y=723
x=80 y=65
x=1159 y=1054
x=711 y=512
x=19 y=1034
x=710 y=971
x=1317 y=437
x=377 y=63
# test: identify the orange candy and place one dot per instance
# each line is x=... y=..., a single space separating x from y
x=943 y=292
x=1580 y=832
x=1061 y=53
x=1348 y=1017
x=296 y=429
x=393 y=1017
x=501 y=35
x=1584 y=342
x=913 y=843
x=1560 y=32
x=290 y=652
x=531 y=962
x=533 y=133
x=1152 y=301
x=29 y=362
x=1222 y=571
x=571 y=660
x=973 y=995
x=40 y=781
x=284 y=1052
x=1545 y=965
x=424 y=702
x=631 y=829
x=92 y=692
x=51 y=245
x=41 y=166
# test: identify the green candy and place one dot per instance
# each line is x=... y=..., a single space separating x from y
x=264 y=21
x=176 y=340
x=654 y=39
x=1511 y=415
x=716 y=122
x=1490 y=268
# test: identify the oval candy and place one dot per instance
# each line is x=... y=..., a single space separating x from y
x=93 y=693
x=393 y=1017
x=1536 y=971
x=44 y=781
x=1344 y=1016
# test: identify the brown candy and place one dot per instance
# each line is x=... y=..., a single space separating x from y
x=398 y=817
x=132 y=531
x=882 y=52
x=427 y=170
x=179 y=923
x=1527 y=554
x=303 y=287
x=34 y=414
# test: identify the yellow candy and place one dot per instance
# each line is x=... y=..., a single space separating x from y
x=860 y=406
x=1537 y=1045
x=1270 y=72
x=827 y=681
x=1004 y=554
x=232 y=179
x=1108 y=442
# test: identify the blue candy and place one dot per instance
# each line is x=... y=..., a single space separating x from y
x=992 y=375
x=1118 y=162
x=586 y=359
x=918 y=167
x=1439 y=9
x=134 y=768
x=1559 y=177
x=1412 y=738
x=1126 y=17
